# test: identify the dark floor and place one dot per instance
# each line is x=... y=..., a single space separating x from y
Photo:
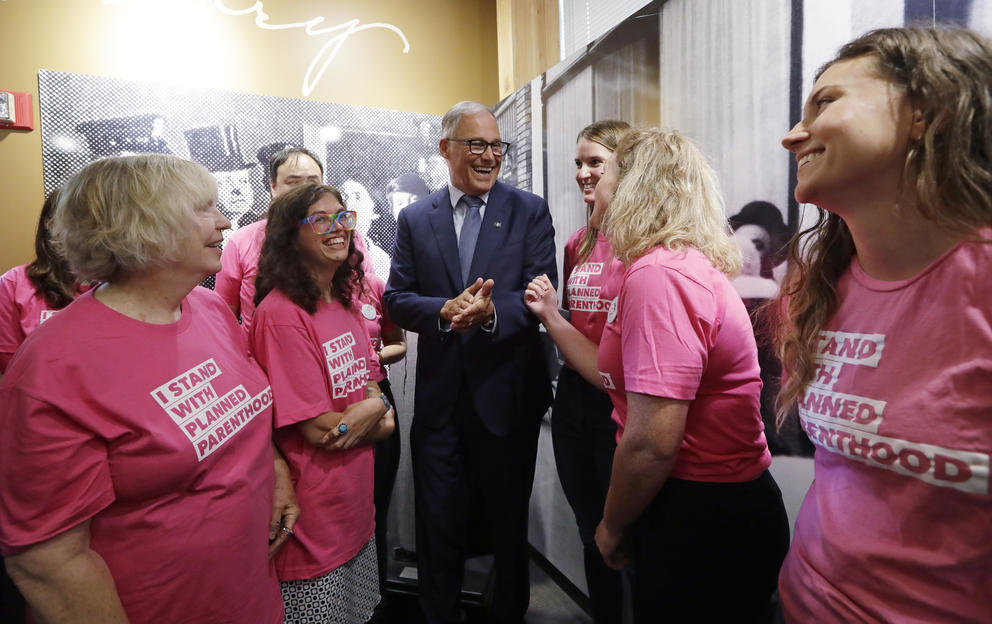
x=549 y=603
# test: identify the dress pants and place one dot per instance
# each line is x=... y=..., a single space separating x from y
x=453 y=465
x=584 y=438
x=387 y=461
x=709 y=552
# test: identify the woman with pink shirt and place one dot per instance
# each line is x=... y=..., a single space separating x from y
x=31 y=293
x=885 y=333
x=139 y=484
x=583 y=433
x=691 y=505
x=309 y=336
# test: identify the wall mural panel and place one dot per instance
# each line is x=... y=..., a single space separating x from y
x=381 y=159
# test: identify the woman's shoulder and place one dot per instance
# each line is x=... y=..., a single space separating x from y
x=209 y=304
x=371 y=290
x=275 y=303
x=576 y=237
x=15 y=279
x=686 y=259
x=687 y=265
x=78 y=331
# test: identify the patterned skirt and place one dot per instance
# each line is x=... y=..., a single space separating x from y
x=346 y=595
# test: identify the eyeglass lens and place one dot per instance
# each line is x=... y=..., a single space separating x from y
x=324 y=223
x=478 y=146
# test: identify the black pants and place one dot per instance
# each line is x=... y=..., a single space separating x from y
x=453 y=466
x=584 y=438
x=387 y=461
x=709 y=552
x=12 y=607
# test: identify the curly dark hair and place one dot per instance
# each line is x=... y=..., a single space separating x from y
x=50 y=273
x=281 y=264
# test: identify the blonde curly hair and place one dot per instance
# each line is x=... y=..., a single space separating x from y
x=667 y=194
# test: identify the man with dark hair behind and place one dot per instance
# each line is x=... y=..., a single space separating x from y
x=287 y=168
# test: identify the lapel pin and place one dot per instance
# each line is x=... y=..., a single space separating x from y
x=497 y=224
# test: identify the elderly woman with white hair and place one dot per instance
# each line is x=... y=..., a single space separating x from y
x=139 y=485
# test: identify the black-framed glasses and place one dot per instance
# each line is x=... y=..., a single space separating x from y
x=323 y=223
x=478 y=146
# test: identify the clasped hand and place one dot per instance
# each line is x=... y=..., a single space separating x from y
x=541 y=297
x=360 y=420
x=472 y=307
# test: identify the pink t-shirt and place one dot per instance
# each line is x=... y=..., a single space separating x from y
x=679 y=330
x=374 y=316
x=239 y=267
x=590 y=286
x=22 y=310
x=896 y=526
x=161 y=436
x=318 y=364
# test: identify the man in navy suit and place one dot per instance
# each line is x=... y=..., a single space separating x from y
x=482 y=383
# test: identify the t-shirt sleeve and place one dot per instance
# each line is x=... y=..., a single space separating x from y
x=56 y=471
x=665 y=321
x=11 y=333
x=295 y=368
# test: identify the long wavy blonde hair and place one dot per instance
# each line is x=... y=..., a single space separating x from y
x=946 y=73
x=667 y=194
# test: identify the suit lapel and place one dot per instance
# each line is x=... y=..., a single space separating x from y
x=491 y=233
x=447 y=243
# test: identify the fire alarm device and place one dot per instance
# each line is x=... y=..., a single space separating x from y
x=8 y=113
x=16 y=112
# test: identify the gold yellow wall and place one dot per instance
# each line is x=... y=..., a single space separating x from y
x=452 y=57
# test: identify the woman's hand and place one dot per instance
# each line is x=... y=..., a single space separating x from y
x=285 y=510
x=541 y=297
x=359 y=420
x=393 y=344
x=610 y=545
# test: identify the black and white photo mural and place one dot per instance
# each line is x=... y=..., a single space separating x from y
x=731 y=75
x=363 y=150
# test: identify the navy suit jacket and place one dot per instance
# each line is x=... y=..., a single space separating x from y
x=505 y=370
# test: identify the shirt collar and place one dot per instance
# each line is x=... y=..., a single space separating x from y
x=456 y=194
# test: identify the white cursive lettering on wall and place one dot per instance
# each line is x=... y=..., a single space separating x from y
x=311 y=27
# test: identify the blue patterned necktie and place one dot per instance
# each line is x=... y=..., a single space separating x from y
x=469 y=234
